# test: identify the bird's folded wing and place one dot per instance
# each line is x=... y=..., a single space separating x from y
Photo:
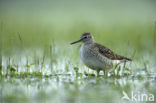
x=108 y=53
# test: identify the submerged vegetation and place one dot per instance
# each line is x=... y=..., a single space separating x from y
x=38 y=64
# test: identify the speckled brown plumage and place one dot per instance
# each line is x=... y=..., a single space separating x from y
x=109 y=53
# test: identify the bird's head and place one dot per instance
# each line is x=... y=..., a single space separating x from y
x=85 y=38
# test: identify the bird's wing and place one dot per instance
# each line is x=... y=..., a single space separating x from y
x=108 y=53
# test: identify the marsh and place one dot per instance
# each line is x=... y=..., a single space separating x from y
x=37 y=64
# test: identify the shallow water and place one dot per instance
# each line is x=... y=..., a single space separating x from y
x=36 y=80
x=69 y=89
x=40 y=84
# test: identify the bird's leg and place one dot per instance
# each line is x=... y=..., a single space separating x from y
x=105 y=70
x=98 y=71
x=124 y=64
x=105 y=73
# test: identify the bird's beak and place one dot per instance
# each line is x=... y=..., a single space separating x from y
x=76 y=41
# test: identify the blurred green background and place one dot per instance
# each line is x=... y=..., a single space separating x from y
x=113 y=23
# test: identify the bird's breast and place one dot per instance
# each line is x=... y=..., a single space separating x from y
x=84 y=53
x=89 y=58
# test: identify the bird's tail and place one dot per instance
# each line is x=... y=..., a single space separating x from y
x=128 y=59
x=125 y=59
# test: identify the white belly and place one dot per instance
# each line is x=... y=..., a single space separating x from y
x=91 y=60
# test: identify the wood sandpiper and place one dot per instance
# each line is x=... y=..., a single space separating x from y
x=96 y=56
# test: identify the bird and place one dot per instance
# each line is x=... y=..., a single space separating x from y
x=96 y=56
